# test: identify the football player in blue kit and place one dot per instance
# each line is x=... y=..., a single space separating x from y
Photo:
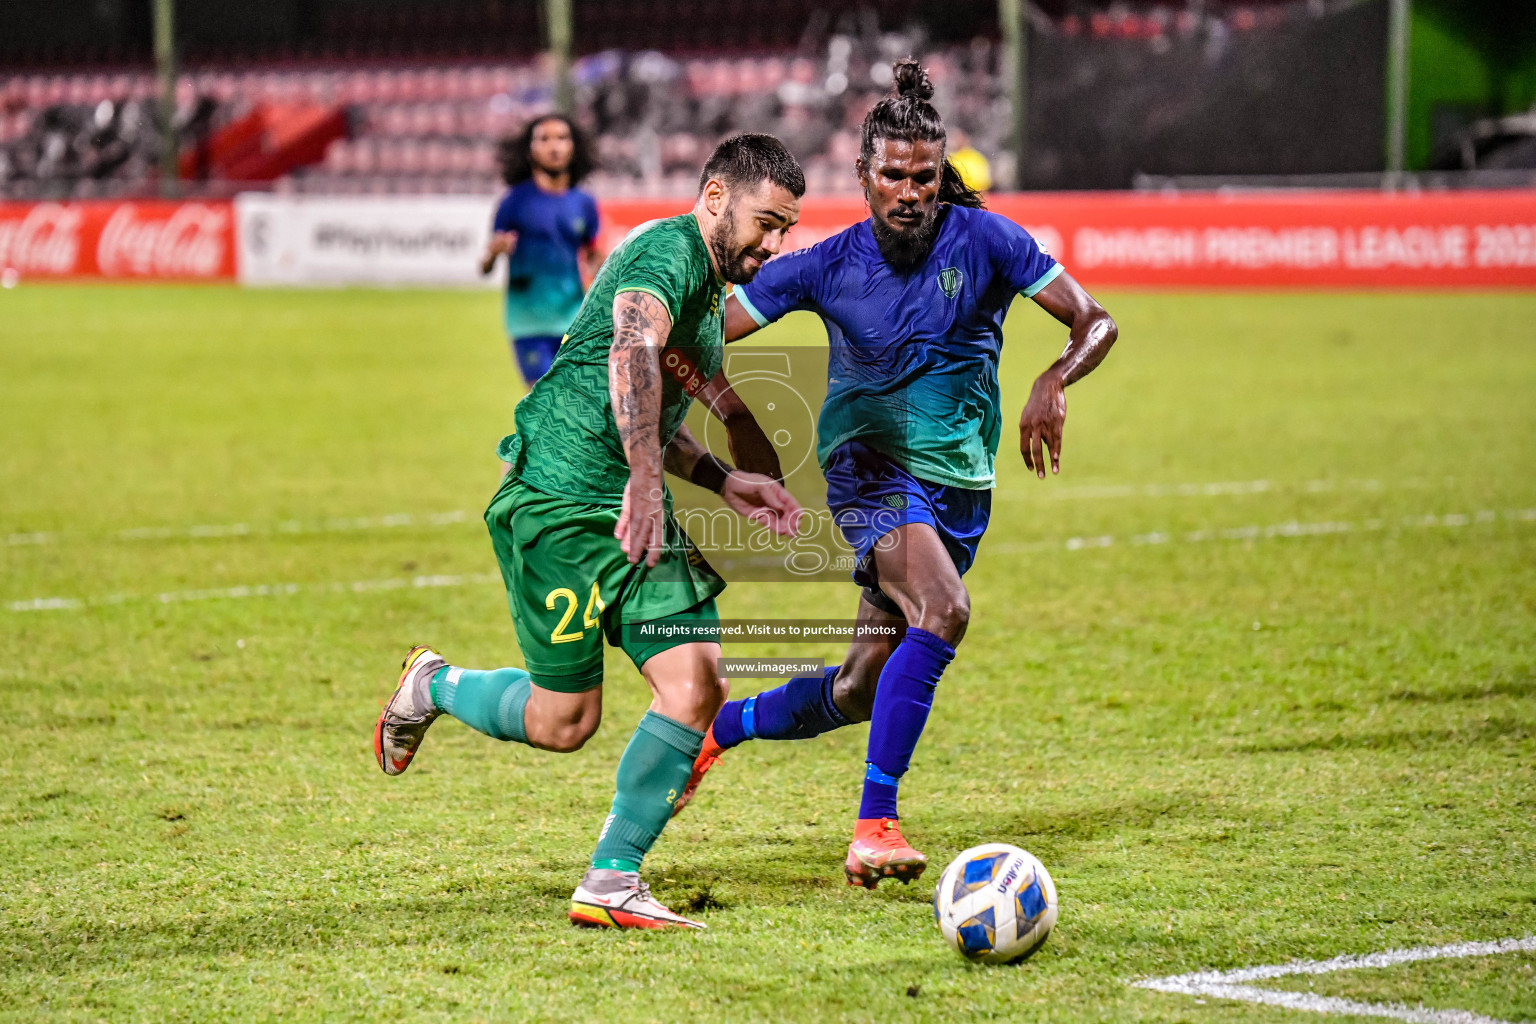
x=913 y=300
x=546 y=227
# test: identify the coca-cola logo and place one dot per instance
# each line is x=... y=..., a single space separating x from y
x=189 y=243
x=45 y=240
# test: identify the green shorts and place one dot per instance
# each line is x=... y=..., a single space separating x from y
x=570 y=586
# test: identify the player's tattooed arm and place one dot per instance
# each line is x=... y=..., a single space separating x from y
x=640 y=328
x=1093 y=333
x=683 y=453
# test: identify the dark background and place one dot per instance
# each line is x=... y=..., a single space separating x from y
x=1304 y=96
x=1299 y=95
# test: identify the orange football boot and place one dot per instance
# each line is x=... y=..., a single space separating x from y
x=709 y=755
x=879 y=850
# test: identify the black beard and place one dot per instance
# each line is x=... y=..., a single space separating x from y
x=907 y=249
x=730 y=260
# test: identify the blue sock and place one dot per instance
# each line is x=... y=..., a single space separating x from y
x=902 y=701
x=798 y=710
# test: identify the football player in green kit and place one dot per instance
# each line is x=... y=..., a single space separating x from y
x=583 y=531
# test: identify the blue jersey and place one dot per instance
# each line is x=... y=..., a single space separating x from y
x=543 y=274
x=912 y=371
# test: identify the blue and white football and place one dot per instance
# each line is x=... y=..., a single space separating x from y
x=995 y=903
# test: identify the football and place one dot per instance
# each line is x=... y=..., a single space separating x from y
x=995 y=903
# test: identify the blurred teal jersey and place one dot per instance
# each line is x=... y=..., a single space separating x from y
x=544 y=273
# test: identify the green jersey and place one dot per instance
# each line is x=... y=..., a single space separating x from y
x=567 y=442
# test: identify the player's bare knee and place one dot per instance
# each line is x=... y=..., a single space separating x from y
x=570 y=731
x=571 y=737
x=947 y=614
x=709 y=692
x=566 y=740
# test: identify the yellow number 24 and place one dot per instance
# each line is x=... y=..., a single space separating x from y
x=589 y=617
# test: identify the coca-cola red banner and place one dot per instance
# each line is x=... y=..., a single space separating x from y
x=1288 y=240
x=1263 y=240
x=146 y=239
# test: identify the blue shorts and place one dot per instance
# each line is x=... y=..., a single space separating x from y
x=534 y=354
x=870 y=495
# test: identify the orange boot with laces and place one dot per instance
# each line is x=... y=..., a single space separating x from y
x=709 y=756
x=879 y=850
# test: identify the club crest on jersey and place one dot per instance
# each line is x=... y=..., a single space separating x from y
x=950 y=279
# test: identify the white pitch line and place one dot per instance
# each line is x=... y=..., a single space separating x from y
x=1230 y=984
x=41 y=604
x=291 y=527
x=286 y=528
x=1227 y=488
x=1219 y=489
x=46 y=604
x=1292 y=529
x=1329 y=1004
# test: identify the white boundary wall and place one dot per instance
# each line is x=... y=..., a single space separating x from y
x=331 y=241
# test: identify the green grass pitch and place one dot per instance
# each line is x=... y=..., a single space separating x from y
x=1225 y=676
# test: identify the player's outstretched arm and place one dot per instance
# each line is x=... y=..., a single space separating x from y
x=750 y=447
x=502 y=243
x=738 y=322
x=754 y=496
x=641 y=324
x=591 y=261
x=1093 y=334
x=684 y=453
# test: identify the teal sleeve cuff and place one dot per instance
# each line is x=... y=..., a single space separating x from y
x=1045 y=279
x=746 y=304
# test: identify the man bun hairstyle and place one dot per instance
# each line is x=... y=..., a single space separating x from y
x=742 y=161
x=909 y=117
x=906 y=116
x=912 y=79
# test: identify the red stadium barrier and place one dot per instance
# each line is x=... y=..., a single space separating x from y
x=1263 y=240
x=1254 y=240
x=150 y=239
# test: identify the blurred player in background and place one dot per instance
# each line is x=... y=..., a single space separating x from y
x=583 y=530
x=546 y=227
x=970 y=163
x=913 y=300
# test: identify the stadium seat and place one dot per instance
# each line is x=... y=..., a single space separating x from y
x=438 y=124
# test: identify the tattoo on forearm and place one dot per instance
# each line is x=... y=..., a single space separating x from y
x=682 y=453
x=640 y=328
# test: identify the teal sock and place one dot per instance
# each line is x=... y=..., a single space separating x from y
x=652 y=773
x=489 y=702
